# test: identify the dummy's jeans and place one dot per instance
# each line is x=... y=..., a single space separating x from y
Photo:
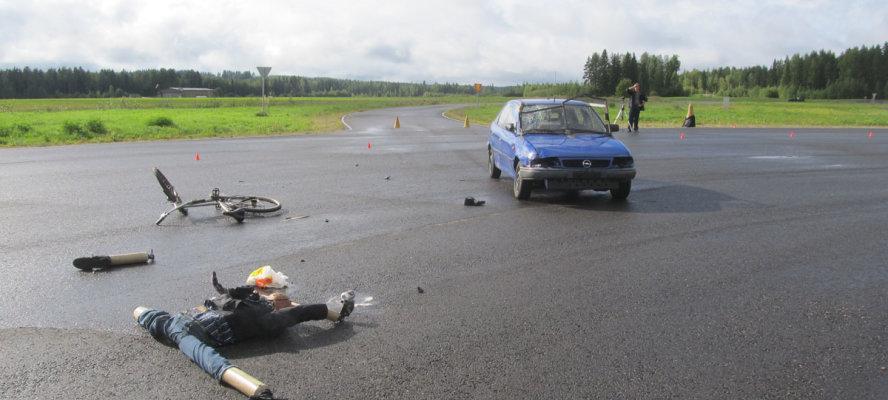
x=174 y=331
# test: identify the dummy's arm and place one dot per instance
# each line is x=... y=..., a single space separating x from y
x=240 y=292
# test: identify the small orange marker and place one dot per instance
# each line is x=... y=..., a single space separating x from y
x=681 y=136
x=197 y=156
x=369 y=146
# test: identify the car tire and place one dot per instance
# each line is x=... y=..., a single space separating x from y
x=622 y=192
x=491 y=166
x=520 y=187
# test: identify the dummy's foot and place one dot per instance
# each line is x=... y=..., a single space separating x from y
x=265 y=394
x=138 y=312
x=347 y=304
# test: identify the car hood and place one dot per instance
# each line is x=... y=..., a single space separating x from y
x=580 y=145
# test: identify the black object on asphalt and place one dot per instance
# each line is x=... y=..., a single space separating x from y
x=419 y=290
x=90 y=263
x=470 y=201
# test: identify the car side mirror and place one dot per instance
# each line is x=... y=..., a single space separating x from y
x=614 y=127
x=510 y=127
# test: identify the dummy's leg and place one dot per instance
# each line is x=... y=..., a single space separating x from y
x=279 y=320
x=172 y=330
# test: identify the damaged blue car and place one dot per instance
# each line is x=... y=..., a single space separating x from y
x=556 y=144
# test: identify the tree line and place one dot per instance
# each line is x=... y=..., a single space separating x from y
x=20 y=83
x=855 y=73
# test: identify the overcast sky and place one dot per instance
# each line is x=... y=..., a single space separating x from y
x=464 y=41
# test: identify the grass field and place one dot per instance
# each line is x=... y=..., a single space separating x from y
x=63 y=121
x=670 y=112
x=42 y=122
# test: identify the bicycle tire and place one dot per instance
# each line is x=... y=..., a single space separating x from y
x=253 y=204
x=168 y=189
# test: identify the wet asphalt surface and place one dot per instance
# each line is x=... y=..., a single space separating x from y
x=746 y=264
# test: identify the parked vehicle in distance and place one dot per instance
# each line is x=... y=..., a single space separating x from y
x=557 y=144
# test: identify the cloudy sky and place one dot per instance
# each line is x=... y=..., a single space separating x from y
x=463 y=41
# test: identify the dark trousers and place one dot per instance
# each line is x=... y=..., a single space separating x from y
x=279 y=320
x=634 y=113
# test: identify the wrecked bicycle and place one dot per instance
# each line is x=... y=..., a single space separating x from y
x=234 y=206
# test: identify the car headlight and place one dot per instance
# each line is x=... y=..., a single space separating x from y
x=624 y=162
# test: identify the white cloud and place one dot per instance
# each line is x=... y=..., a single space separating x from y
x=497 y=41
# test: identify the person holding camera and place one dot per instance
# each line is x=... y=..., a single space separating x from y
x=636 y=105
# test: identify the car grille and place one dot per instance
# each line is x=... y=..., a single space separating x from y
x=596 y=163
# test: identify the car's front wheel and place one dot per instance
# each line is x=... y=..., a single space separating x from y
x=491 y=165
x=521 y=187
x=622 y=191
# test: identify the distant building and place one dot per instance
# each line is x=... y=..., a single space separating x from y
x=186 y=92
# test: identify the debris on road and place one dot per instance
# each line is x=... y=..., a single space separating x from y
x=100 y=262
x=388 y=178
x=470 y=201
x=295 y=217
x=419 y=290
x=326 y=220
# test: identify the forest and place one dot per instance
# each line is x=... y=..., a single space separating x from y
x=857 y=72
x=31 y=83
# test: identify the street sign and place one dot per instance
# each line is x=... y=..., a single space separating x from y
x=477 y=88
x=264 y=72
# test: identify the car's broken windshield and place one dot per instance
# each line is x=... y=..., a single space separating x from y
x=546 y=118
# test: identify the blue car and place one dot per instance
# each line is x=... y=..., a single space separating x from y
x=559 y=145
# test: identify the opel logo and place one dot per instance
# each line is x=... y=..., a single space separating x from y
x=587 y=163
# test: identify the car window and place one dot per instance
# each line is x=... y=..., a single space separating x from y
x=549 y=118
x=506 y=116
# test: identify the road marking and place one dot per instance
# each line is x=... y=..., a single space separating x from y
x=344 y=123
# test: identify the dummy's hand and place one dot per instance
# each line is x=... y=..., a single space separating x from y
x=219 y=288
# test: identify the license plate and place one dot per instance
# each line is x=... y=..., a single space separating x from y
x=579 y=184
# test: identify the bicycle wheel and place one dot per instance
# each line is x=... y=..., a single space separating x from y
x=253 y=204
x=169 y=190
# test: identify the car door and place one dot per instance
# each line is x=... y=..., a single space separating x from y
x=503 y=140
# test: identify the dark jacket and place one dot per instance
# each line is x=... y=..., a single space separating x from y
x=636 y=99
x=233 y=316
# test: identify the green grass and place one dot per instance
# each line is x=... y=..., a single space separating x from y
x=42 y=122
x=63 y=121
x=670 y=112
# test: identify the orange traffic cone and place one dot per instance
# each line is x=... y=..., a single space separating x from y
x=466 y=123
x=197 y=156
x=397 y=123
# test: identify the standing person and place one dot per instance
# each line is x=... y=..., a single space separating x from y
x=236 y=315
x=636 y=105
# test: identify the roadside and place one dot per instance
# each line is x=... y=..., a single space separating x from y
x=663 y=112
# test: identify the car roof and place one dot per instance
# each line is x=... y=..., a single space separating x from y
x=553 y=102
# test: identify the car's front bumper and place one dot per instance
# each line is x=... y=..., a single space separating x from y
x=539 y=173
x=578 y=178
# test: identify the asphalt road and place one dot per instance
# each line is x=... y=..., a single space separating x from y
x=746 y=264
